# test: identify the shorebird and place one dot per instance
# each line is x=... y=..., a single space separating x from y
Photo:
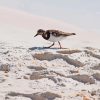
x=53 y=36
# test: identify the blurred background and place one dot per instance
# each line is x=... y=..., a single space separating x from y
x=81 y=13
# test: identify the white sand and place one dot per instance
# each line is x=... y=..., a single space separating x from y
x=29 y=72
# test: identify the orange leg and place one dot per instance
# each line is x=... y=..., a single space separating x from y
x=50 y=45
x=59 y=44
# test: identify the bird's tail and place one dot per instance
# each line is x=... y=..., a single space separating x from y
x=73 y=33
x=69 y=34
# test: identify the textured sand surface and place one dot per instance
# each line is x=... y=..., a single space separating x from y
x=49 y=74
x=30 y=72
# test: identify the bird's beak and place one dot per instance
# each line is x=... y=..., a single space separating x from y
x=35 y=35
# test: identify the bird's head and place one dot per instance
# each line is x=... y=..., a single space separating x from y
x=40 y=32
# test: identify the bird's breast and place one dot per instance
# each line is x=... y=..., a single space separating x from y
x=55 y=39
x=46 y=36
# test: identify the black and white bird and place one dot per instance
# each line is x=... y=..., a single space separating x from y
x=53 y=35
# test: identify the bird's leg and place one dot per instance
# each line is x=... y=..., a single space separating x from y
x=50 y=45
x=59 y=44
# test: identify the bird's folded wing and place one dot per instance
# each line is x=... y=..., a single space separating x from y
x=58 y=33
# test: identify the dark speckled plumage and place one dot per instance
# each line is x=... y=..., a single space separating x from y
x=53 y=35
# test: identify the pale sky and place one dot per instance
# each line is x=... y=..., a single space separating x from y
x=81 y=13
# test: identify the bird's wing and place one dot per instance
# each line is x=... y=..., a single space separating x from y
x=52 y=32
x=58 y=33
x=67 y=34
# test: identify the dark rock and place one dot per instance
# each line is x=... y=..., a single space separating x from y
x=83 y=78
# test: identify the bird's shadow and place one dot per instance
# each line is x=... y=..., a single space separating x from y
x=43 y=48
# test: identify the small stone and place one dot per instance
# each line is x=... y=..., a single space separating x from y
x=25 y=77
x=5 y=67
x=83 y=78
x=97 y=76
x=93 y=93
